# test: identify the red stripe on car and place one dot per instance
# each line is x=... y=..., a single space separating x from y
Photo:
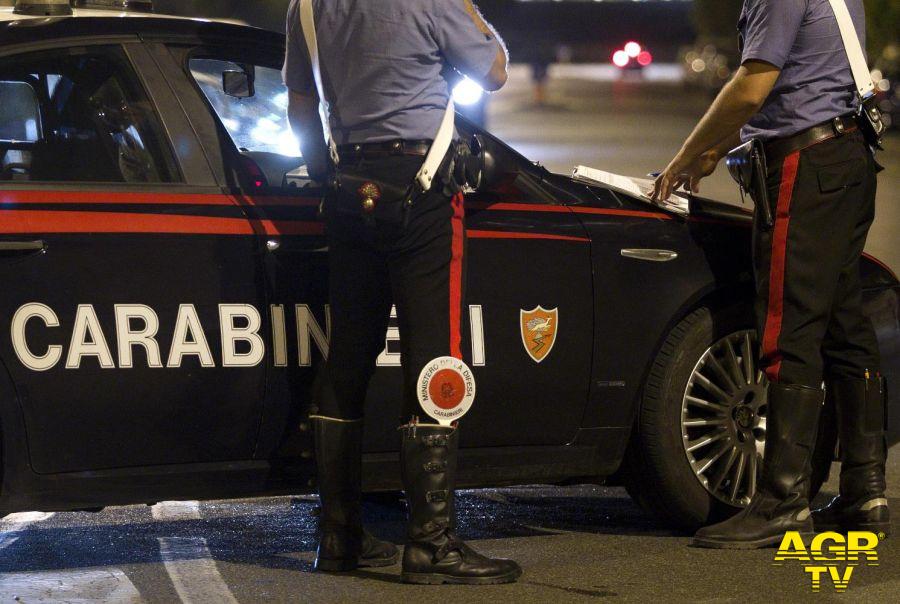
x=39 y=221
x=535 y=207
x=617 y=212
x=149 y=198
x=515 y=235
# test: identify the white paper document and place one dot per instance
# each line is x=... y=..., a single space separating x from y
x=639 y=187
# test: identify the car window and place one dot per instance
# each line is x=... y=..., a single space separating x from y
x=97 y=123
x=256 y=123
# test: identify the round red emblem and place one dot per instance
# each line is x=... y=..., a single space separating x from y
x=447 y=388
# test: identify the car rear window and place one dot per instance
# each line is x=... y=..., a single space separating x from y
x=92 y=120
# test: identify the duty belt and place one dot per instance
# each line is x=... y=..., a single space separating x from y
x=384 y=149
x=778 y=149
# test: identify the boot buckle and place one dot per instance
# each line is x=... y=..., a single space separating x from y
x=435 y=466
x=436 y=496
x=436 y=440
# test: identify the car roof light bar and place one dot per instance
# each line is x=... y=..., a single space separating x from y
x=43 y=8
x=145 y=6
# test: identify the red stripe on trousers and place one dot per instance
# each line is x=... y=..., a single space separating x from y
x=456 y=275
x=775 y=309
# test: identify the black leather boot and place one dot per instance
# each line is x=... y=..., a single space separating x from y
x=861 y=505
x=435 y=554
x=781 y=501
x=343 y=543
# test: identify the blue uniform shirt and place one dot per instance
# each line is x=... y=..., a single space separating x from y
x=384 y=63
x=801 y=37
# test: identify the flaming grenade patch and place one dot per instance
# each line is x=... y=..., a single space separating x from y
x=539 y=327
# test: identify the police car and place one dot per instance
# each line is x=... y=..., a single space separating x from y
x=163 y=308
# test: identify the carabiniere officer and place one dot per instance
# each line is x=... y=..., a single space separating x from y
x=384 y=67
x=795 y=92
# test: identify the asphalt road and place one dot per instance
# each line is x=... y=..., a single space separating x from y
x=576 y=544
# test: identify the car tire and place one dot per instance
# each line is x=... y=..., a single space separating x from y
x=658 y=472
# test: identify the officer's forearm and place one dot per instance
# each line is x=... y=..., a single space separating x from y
x=738 y=101
x=306 y=124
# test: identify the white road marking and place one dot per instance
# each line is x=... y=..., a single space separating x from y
x=7 y=541
x=24 y=518
x=188 y=560
x=176 y=510
x=110 y=586
x=14 y=523
x=193 y=571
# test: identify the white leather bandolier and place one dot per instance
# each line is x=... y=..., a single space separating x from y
x=442 y=140
x=861 y=74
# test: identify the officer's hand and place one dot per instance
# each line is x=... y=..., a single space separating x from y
x=702 y=167
x=684 y=173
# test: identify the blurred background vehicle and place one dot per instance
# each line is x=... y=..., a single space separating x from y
x=632 y=57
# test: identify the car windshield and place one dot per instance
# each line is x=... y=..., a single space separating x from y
x=255 y=123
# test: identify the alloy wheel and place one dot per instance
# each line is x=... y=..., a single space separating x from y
x=723 y=418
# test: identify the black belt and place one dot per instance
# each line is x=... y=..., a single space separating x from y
x=383 y=149
x=780 y=148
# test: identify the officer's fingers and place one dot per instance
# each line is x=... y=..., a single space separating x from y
x=695 y=185
x=664 y=188
x=654 y=190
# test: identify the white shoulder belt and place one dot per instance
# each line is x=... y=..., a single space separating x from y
x=442 y=139
x=861 y=75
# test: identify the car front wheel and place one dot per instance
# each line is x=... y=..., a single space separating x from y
x=698 y=444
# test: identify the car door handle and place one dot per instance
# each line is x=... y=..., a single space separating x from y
x=23 y=246
x=650 y=255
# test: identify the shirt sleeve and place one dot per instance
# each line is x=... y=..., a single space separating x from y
x=297 y=71
x=465 y=47
x=771 y=28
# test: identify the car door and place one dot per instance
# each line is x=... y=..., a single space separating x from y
x=530 y=297
x=271 y=182
x=131 y=284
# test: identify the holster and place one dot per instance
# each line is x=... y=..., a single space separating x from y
x=870 y=122
x=747 y=166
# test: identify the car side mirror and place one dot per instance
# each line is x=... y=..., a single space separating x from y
x=20 y=115
x=238 y=84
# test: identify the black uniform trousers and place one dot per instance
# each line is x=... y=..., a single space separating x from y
x=809 y=300
x=419 y=267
